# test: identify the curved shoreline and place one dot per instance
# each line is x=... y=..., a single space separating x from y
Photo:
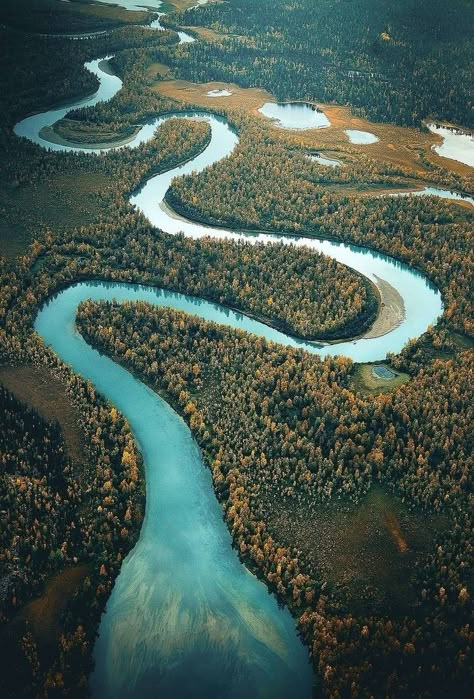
x=223 y=142
x=202 y=593
x=390 y=308
x=390 y=314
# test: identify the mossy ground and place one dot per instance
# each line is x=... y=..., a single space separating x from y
x=369 y=552
x=59 y=202
x=365 y=382
x=37 y=387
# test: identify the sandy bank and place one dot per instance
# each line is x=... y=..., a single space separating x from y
x=391 y=310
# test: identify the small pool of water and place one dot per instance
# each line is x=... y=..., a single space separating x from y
x=457 y=143
x=382 y=372
x=219 y=93
x=323 y=160
x=361 y=137
x=295 y=115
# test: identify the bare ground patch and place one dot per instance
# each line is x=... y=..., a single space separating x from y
x=45 y=393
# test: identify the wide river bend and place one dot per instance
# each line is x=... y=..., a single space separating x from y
x=185 y=617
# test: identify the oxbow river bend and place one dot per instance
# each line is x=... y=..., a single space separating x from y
x=185 y=617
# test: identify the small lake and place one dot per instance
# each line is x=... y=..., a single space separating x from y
x=323 y=160
x=295 y=115
x=382 y=372
x=457 y=143
x=363 y=138
x=134 y=5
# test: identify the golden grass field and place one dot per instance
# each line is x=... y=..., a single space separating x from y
x=365 y=383
x=397 y=145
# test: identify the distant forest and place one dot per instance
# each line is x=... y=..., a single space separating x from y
x=392 y=61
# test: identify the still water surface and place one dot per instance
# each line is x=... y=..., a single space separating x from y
x=295 y=115
x=457 y=143
x=361 y=137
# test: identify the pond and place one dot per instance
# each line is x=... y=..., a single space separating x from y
x=383 y=372
x=295 y=115
x=324 y=160
x=436 y=192
x=364 y=138
x=219 y=93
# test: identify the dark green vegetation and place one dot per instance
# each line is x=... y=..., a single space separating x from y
x=370 y=553
x=53 y=514
x=279 y=427
x=392 y=61
x=322 y=484
x=45 y=16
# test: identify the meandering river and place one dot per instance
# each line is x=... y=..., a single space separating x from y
x=185 y=617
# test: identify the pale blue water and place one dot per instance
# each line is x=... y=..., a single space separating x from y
x=219 y=93
x=31 y=127
x=457 y=144
x=185 y=618
x=361 y=137
x=383 y=372
x=295 y=115
x=134 y=5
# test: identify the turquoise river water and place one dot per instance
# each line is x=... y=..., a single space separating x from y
x=185 y=617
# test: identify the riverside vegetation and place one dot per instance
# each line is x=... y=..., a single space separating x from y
x=275 y=425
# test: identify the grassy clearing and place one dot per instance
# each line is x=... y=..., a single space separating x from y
x=366 y=383
x=397 y=145
x=60 y=202
x=368 y=552
x=158 y=71
x=207 y=34
x=44 y=613
x=52 y=15
x=38 y=388
x=246 y=99
x=182 y=4
x=112 y=12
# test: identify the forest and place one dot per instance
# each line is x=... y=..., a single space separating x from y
x=287 y=195
x=277 y=421
x=282 y=432
x=397 y=62
x=54 y=516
